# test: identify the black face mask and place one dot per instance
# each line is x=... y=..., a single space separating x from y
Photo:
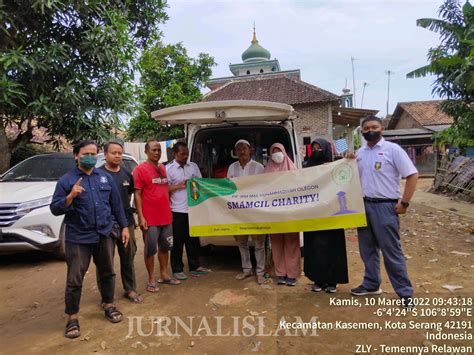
x=317 y=154
x=372 y=136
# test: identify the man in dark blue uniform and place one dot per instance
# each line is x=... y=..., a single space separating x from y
x=91 y=203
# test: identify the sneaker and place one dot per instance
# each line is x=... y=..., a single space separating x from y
x=260 y=279
x=362 y=291
x=290 y=282
x=316 y=288
x=201 y=271
x=243 y=275
x=180 y=276
x=407 y=302
x=330 y=289
x=281 y=280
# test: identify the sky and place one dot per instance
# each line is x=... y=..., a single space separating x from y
x=319 y=37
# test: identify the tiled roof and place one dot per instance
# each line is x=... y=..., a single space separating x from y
x=275 y=88
x=425 y=113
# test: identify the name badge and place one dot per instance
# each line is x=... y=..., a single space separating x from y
x=378 y=165
x=126 y=183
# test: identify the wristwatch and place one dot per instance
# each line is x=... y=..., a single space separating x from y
x=405 y=204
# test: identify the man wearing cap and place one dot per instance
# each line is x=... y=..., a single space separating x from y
x=245 y=166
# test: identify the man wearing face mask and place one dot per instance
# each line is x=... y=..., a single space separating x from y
x=381 y=165
x=91 y=203
x=245 y=166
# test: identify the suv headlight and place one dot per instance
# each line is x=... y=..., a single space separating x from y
x=27 y=207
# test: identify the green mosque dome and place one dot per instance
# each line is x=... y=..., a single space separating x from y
x=255 y=52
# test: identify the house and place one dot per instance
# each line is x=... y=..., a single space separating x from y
x=320 y=113
x=413 y=125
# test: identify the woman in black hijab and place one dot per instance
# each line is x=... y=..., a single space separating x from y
x=325 y=258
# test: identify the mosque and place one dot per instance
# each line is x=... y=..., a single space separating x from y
x=320 y=113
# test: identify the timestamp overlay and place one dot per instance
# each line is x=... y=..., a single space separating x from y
x=342 y=323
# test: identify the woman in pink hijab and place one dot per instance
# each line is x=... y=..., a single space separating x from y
x=285 y=247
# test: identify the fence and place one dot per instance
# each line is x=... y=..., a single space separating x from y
x=455 y=176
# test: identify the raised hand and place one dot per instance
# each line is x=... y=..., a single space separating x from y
x=77 y=189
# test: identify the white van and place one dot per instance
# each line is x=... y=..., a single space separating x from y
x=212 y=128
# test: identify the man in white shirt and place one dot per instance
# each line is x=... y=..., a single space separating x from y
x=179 y=172
x=381 y=165
x=243 y=167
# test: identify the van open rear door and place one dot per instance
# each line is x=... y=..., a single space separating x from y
x=224 y=111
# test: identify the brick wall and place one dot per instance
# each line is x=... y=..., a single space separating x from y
x=312 y=121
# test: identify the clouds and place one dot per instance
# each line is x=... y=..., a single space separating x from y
x=318 y=37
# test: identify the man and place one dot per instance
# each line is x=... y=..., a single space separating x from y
x=179 y=172
x=243 y=167
x=381 y=164
x=91 y=202
x=113 y=152
x=153 y=207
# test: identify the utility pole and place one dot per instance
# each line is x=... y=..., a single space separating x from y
x=389 y=74
x=353 y=81
x=363 y=92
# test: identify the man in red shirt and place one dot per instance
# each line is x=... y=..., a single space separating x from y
x=154 y=213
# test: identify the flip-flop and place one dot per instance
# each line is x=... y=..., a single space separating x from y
x=134 y=299
x=169 y=281
x=152 y=288
x=71 y=325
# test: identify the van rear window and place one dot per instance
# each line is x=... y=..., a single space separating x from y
x=213 y=148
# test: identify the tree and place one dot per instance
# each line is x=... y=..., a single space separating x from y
x=169 y=77
x=68 y=66
x=452 y=62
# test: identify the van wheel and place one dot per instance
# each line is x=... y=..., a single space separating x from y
x=207 y=250
x=60 y=251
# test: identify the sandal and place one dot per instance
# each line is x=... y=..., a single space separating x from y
x=73 y=330
x=136 y=298
x=169 y=281
x=152 y=288
x=113 y=314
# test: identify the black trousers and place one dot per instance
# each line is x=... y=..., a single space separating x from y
x=181 y=238
x=127 y=265
x=78 y=257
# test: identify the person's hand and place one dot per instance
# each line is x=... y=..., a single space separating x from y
x=125 y=236
x=143 y=224
x=350 y=156
x=77 y=189
x=400 y=209
x=182 y=185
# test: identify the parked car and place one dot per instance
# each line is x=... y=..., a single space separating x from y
x=26 y=190
x=212 y=128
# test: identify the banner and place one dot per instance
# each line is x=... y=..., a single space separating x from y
x=319 y=198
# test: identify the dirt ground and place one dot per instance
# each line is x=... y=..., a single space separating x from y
x=439 y=249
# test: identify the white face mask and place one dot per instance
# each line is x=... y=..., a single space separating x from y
x=278 y=157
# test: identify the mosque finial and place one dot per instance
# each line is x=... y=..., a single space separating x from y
x=254 y=39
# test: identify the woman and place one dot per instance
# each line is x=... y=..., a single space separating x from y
x=285 y=247
x=325 y=258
